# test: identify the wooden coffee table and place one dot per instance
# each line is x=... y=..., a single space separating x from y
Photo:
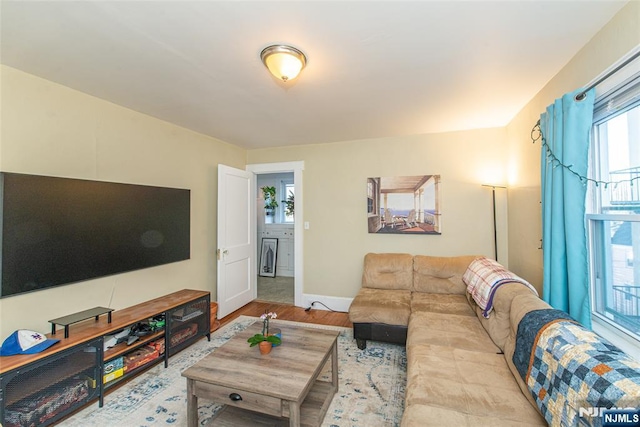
x=283 y=383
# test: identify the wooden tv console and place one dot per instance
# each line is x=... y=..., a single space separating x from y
x=45 y=387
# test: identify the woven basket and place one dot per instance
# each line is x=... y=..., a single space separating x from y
x=215 y=323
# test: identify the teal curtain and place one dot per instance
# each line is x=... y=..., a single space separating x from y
x=566 y=129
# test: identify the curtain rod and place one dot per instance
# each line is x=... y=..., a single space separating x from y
x=581 y=95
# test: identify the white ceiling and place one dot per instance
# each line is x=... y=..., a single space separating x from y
x=375 y=68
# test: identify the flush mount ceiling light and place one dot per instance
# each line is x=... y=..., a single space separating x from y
x=284 y=62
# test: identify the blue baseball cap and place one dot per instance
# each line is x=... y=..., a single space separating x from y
x=23 y=341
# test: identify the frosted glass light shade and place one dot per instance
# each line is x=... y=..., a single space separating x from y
x=284 y=62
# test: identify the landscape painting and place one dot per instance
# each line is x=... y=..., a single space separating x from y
x=404 y=204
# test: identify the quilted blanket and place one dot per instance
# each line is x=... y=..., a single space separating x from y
x=483 y=277
x=572 y=373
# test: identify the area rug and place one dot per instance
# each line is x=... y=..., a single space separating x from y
x=371 y=388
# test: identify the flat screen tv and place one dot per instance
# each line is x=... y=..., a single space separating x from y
x=57 y=231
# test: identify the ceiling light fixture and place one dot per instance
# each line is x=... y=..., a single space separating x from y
x=284 y=62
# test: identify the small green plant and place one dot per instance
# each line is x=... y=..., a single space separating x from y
x=264 y=336
x=269 y=195
x=290 y=203
x=258 y=338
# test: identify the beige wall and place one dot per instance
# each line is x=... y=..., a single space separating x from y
x=48 y=129
x=618 y=37
x=335 y=178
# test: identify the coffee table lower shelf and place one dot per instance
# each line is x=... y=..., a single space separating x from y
x=312 y=411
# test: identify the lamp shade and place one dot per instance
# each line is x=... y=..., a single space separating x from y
x=284 y=62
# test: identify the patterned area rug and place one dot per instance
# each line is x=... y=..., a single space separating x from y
x=371 y=390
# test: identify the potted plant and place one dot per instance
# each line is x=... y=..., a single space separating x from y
x=265 y=340
x=290 y=205
x=270 y=203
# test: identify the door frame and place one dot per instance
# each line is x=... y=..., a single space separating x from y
x=298 y=239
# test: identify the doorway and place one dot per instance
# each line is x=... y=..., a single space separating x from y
x=285 y=284
x=275 y=229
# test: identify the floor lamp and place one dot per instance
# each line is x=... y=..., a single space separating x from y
x=495 y=225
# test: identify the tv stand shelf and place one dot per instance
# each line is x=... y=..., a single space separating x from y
x=30 y=378
x=66 y=321
x=123 y=348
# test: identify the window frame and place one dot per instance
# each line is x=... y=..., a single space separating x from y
x=284 y=184
x=609 y=104
x=595 y=222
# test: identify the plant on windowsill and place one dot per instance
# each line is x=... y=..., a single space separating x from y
x=290 y=205
x=265 y=340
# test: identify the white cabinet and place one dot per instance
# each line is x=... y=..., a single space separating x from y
x=285 y=254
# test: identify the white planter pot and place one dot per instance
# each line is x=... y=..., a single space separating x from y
x=268 y=216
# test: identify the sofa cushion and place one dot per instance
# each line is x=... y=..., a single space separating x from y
x=520 y=305
x=388 y=271
x=392 y=307
x=498 y=325
x=433 y=416
x=450 y=330
x=452 y=386
x=440 y=275
x=440 y=303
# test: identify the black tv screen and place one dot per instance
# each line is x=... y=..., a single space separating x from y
x=57 y=231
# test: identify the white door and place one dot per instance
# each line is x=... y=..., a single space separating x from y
x=236 y=239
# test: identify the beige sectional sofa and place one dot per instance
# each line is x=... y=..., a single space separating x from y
x=459 y=364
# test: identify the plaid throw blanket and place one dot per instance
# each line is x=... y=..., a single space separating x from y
x=483 y=277
x=571 y=372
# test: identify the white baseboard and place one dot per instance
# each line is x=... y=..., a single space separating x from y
x=334 y=303
x=284 y=274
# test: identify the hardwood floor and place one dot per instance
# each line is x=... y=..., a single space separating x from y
x=290 y=312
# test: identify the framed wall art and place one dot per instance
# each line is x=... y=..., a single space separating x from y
x=404 y=205
x=268 y=254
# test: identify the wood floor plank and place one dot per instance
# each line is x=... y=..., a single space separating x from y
x=292 y=313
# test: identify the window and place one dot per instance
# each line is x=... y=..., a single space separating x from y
x=288 y=188
x=614 y=222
